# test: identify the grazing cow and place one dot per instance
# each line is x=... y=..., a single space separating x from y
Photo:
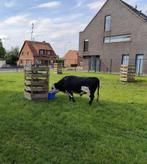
x=80 y=85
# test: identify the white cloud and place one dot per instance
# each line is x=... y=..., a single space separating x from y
x=4 y=38
x=9 y=3
x=58 y=31
x=16 y=20
x=52 y=4
x=96 y=5
x=132 y=2
x=79 y=3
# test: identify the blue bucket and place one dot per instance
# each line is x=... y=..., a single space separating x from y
x=51 y=95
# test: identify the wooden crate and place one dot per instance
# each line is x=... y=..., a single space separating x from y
x=127 y=73
x=58 y=68
x=36 y=82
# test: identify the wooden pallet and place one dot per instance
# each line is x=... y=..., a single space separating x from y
x=127 y=73
x=36 y=82
x=58 y=68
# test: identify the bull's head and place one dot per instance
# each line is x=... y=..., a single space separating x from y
x=54 y=88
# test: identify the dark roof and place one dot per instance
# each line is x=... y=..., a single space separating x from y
x=139 y=13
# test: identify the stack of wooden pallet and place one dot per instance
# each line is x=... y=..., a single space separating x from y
x=36 y=82
x=58 y=68
x=127 y=73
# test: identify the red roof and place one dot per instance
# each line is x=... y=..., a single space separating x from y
x=35 y=46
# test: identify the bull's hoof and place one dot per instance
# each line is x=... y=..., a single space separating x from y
x=90 y=103
x=73 y=101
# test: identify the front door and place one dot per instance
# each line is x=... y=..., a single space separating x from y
x=94 y=63
x=139 y=64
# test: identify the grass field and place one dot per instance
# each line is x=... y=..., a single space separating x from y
x=43 y=132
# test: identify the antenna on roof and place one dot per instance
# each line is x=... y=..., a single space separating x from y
x=32 y=31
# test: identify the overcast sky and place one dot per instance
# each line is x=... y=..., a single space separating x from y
x=56 y=21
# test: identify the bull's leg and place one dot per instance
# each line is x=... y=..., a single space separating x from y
x=91 y=97
x=71 y=97
x=82 y=93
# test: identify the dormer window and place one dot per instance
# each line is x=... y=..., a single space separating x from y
x=107 y=23
x=49 y=52
x=41 y=52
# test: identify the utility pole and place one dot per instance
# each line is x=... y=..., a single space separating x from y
x=32 y=31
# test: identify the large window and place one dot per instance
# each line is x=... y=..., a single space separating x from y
x=116 y=39
x=107 y=23
x=86 y=45
x=93 y=63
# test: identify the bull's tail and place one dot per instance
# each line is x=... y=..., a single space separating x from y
x=98 y=88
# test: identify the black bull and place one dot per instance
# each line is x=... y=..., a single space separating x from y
x=80 y=85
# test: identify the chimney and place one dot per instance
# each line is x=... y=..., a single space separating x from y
x=136 y=7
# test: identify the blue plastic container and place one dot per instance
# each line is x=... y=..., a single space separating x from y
x=51 y=95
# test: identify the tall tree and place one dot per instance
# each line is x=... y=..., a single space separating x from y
x=12 y=56
x=2 y=50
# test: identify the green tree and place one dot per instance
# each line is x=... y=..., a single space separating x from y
x=2 y=50
x=12 y=56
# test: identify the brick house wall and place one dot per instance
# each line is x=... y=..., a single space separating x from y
x=123 y=21
x=26 y=56
x=72 y=58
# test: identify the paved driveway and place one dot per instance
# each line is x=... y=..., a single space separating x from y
x=11 y=69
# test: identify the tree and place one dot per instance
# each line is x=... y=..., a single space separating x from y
x=2 y=50
x=60 y=60
x=12 y=56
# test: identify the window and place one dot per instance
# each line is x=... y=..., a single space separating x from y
x=46 y=62
x=38 y=62
x=107 y=23
x=139 y=64
x=125 y=60
x=86 y=45
x=28 y=62
x=49 y=52
x=41 y=52
x=116 y=39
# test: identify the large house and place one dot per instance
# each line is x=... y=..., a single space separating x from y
x=72 y=58
x=116 y=35
x=33 y=52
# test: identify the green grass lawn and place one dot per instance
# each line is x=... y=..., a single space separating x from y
x=43 y=132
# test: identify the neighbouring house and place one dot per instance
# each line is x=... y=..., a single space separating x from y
x=33 y=52
x=72 y=58
x=2 y=63
x=116 y=35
